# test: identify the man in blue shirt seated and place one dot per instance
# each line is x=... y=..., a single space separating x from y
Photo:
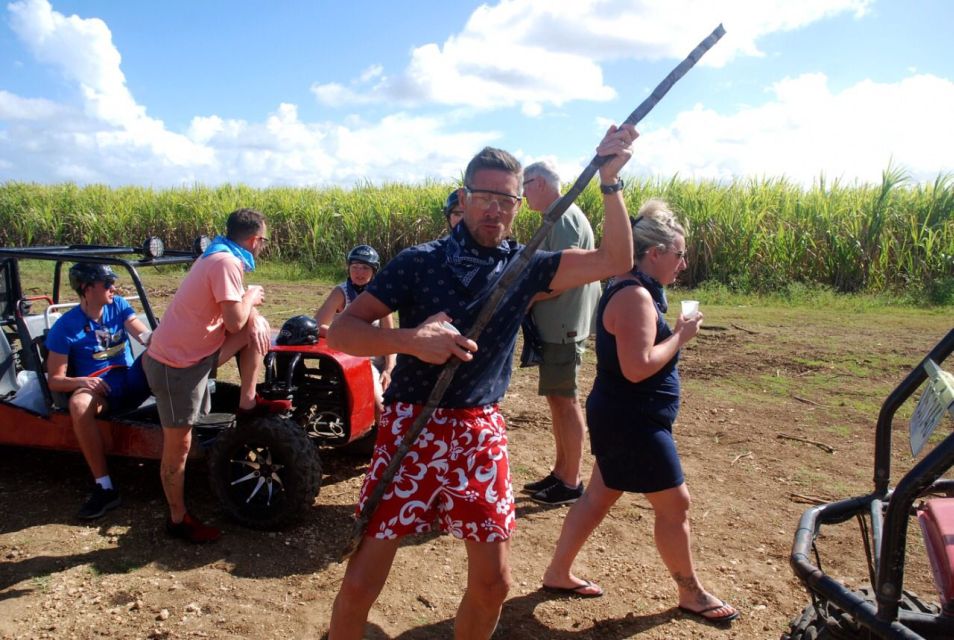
x=90 y=359
x=457 y=472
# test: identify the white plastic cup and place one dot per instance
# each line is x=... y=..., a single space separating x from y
x=256 y=287
x=690 y=309
x=447 y=325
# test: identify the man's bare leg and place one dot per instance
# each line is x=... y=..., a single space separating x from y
x=488 y=581
x=84 y=406
x=176 y=442
x=364 y=578
x=251 y=363
x=569 y=431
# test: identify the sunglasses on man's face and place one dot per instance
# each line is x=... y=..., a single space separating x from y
x=484 y=198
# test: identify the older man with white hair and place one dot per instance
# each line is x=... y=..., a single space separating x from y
x=562 y=319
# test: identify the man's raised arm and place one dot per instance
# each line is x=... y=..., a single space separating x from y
x=615 y=253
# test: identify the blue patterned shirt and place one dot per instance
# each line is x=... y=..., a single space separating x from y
x=420 y=282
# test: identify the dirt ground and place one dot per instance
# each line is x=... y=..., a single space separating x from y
x=754 y=380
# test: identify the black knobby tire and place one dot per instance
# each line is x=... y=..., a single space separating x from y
x=264 y=472
x=810 y=625
x=832 y=623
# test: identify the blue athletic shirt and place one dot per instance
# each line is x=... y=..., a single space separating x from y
x=455 y=275
x=93 y=345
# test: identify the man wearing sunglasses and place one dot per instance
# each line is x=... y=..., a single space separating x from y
x=457 y=472
x=90 y=359
x=212 y=317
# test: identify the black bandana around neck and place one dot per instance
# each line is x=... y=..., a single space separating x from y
x=655 y=289
x=352 y=290
x=475 y=266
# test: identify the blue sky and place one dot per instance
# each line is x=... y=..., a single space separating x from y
x=329 y=93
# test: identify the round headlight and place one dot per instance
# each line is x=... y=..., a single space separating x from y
x=199 y=245
x=153 y=248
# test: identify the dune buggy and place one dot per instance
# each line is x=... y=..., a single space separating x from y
x=885 y=609
x=264 y=472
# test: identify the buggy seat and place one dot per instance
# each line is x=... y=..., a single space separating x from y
x=937 y=525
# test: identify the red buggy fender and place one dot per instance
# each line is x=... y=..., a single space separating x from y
x=357 y=374
x=21 y=427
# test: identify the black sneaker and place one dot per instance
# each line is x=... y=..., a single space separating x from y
x=99 y=502
x=533 y=487
x=558 y=493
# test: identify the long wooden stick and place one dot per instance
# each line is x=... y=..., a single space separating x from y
x=820 y=445
x=515 y=268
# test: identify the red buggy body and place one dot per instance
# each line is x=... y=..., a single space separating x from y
x=265 y=471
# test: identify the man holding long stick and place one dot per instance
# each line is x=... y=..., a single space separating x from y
x=457 y=470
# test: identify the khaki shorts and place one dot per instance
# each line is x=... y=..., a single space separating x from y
x=559 y=369
x=182 y=395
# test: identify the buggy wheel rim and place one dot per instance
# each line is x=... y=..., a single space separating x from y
x=254 y=477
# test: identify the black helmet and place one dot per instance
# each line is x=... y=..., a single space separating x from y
x=298 y=330
x=452 y=201
x=82 y=274
x=365 y=255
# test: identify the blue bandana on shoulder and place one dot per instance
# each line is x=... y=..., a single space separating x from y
x=473 y=264
x=655 y=289
x=221 y=243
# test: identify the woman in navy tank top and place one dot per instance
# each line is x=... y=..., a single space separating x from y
x=630 y=414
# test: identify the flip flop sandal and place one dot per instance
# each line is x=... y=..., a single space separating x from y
x=712 y=618
x=579 y=591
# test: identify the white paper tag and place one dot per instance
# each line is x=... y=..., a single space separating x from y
x=936 y=400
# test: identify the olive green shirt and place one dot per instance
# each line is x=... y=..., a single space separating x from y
x=568 y=317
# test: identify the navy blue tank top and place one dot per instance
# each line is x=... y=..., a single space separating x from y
x=657 y=395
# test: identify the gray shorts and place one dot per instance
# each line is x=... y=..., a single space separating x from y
x=182 y=395
x=559 y=369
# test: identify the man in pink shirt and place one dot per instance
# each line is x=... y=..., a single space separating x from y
x=212 y=317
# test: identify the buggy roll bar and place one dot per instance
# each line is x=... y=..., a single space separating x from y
x=925 y=476
x=100 y=254
x=914 y=483
x=901 y=625
x=818 y=582
x=882 y=470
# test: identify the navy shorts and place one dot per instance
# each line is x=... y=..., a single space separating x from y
x=635 y=451
x=127 y=387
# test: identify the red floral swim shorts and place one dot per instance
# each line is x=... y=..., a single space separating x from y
x=457 y=471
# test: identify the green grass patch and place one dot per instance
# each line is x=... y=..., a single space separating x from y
x=41 y=583
x=840 y=430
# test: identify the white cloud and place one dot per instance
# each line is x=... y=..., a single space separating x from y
x=82 y=50
x=806 y=130
x=548 y=52
x=502 y=57
x=106 y=136
x=371 y=73
x=286 y=150
x=13 y=107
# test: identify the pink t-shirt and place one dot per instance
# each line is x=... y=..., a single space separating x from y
x=192 y=328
